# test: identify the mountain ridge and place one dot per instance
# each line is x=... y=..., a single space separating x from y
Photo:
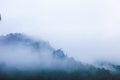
x=22 y=57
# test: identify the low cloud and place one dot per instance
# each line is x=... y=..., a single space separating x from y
x=25 y=53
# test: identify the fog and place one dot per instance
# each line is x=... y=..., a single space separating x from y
x=16 y=53
x=87 y=30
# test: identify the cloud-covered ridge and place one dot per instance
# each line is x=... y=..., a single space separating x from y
x=23 y=52
x=23 y=57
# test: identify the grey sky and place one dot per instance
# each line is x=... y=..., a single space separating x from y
x=84 y=29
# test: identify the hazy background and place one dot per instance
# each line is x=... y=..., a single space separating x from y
x=87 y=30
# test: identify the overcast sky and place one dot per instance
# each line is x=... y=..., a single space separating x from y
x=87 y=30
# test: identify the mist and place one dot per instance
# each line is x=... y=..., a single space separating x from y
x=86 y=30
x=26 y=53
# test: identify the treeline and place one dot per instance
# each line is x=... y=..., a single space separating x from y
x=92 y=74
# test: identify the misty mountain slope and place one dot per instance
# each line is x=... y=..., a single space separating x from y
x=114 y=68
x=24 y=58
x=17 y=38
x=20 y=51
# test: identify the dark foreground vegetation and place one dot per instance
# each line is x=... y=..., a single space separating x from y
x=93 y=74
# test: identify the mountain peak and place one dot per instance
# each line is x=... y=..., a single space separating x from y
x=38 y=46
x=59 y=53
x=13 y=38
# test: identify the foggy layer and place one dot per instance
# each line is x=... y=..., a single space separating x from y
x=26 y=53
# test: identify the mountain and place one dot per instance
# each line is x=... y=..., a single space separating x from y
x=25 y=58
x=16 y=39
x=114 y=68
x=37 y=50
